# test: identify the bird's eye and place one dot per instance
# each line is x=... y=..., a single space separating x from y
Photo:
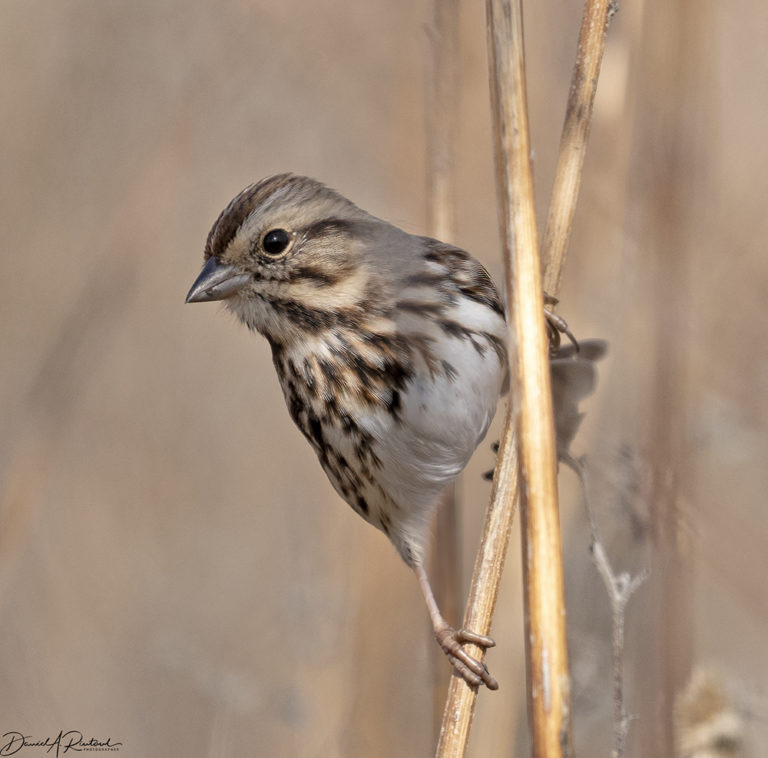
x=276 y=241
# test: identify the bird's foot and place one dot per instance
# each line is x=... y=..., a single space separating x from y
x=556 y=326
x=473 y=671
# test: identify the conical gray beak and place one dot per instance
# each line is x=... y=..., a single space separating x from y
x=217 y=281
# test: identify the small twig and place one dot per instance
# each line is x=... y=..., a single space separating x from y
x=489 y=564
x=573 y=141
x=620 y=589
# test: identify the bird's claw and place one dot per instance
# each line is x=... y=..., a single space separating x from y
x=557 y=325
x=473 y=671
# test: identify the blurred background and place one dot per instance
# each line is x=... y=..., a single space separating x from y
x=175 y=571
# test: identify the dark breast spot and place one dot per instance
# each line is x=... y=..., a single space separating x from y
x=362 y=505
x=295 y=406
x=393 y=405
x=315 y=432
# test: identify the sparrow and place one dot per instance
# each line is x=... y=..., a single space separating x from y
x=391 y=352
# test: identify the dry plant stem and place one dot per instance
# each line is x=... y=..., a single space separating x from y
x=489 y=563
x=573 y=142
x=620 y=589
x=442 y=107
x=441 y=115
x=545 y=638
x=550 y=726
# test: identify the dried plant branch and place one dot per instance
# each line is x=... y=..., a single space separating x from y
x=543 y=577
x=573 y=141
x=620 y=588
x=545 y=638
x=489 y=563
x=441 y=113
x=549 y=689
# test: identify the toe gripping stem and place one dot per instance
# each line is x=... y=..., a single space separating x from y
x=556 y=326
x=471 y=669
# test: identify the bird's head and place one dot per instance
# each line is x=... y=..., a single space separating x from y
x=287 y=256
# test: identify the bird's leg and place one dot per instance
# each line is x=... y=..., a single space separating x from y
x=473 y=671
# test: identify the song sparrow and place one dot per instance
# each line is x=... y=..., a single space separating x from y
x=390 y=350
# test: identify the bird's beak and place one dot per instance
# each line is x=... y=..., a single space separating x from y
x=217 y=281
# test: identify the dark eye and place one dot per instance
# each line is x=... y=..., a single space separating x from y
x=276 y=241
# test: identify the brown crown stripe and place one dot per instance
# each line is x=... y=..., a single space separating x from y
x=241 y=206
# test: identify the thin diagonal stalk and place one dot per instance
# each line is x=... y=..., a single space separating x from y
x=573 y=141
x=481 y=603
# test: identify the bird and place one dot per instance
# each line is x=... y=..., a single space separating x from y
x=390 y=349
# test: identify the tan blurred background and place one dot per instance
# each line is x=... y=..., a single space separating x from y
x=175 y=571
